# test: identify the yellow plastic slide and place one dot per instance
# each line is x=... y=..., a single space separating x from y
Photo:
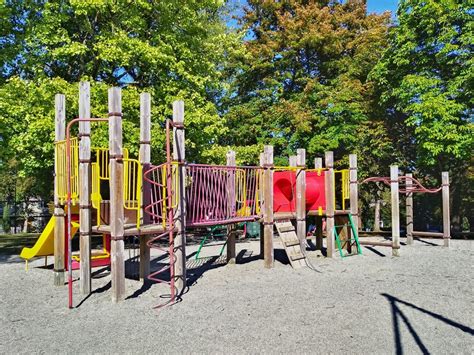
x=44 y=246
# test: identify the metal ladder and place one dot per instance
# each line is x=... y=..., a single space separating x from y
x=351 y=241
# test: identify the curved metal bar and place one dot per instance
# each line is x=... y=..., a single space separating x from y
x=416 y=186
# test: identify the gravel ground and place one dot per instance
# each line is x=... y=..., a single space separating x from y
x=419 y=302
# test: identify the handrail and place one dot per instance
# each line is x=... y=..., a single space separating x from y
x=132 y=186
x=61 y=170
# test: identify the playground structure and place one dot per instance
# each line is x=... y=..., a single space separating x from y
x=103 y=191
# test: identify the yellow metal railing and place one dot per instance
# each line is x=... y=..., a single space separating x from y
x=95 y=194
x=61 y=170
x=259 y=191
x=132 y=186
x=344 y=187
x=240 y=182
x=101 y=172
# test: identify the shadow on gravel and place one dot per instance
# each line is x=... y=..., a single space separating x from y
x=246 y=256
x=425 y=242
x=97 y=290
x=397 y=314
x=375 y=251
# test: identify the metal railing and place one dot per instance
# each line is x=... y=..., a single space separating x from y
x=217 y=194
x=61 y=170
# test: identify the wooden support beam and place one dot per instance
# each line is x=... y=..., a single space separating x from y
x=268 y=208
x=180 y=213
x=353 y=193
x=262 y=207
x=85 y=223
x=230 y=156
x=301 y=197
x=59 y=237
x=116 y=195
x=145 y=160
x=329 y=191
x=395 y=202
x=292 y=159
x=318 y=164
x=409 y=209
x=428 y=234
x=377 y=244
x=446 y=218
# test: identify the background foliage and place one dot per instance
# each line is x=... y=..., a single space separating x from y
x=318 y=74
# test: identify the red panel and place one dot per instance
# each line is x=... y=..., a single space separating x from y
x=284 y=184
x=284 y=191
x=315 y=195
x=94 y=263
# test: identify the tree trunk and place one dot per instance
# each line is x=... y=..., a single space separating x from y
x=25 y=225
x=377 y=216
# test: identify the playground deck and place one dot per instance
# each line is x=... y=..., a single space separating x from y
x=131 y=229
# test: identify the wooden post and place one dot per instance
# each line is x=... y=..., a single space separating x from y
x=180 y=214
x=145 y=161
x=116 y=195
x=59 y=235
x=232 y=200
x=353 y=193
x=318 y=164
x=330 y=185
x=395 y=199
x=409 y=209
x=268 y=208
x=292 y=160
x=377 y=215
x=446 y=219
x=85 y=224
x=301 y=197
x=262 y=207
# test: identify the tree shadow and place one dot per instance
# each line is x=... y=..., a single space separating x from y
x=398 y=315
x=245 y=256
x=375 y=251
x=427 y=243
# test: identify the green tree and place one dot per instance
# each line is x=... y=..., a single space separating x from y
x=425 y=83
x=301 y=79
x=6 y=222
x=173 y=49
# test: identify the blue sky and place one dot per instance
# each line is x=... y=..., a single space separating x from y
x=381 y=5
x=377 y=6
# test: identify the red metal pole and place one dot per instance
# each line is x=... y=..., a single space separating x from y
x=169 y=189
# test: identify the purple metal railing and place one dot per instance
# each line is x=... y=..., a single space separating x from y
x=217 y=194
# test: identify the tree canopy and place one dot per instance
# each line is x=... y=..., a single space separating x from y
x=315 y=74
x=302 y=79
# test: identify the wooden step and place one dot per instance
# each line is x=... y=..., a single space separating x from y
x=284 y=229
x=297 y=256
x=291 y=243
